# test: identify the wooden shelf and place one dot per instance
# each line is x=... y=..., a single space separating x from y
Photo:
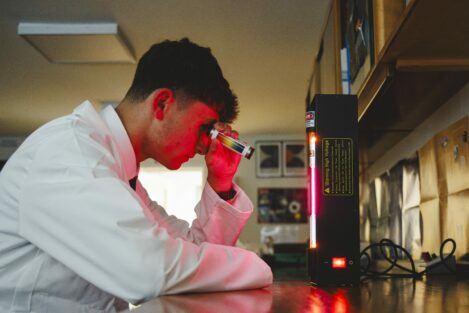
x=423 y=63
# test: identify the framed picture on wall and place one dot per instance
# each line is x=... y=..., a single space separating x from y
x=268 y=159
x=282 y=205
x=294 y=158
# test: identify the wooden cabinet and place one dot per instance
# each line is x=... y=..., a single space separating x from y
x=443 y=164
x=421 y=60
x=422 y=64
x=326 y=76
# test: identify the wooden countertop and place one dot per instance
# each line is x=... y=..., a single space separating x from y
x=430 y=295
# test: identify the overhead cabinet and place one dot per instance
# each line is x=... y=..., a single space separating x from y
x=421 y=59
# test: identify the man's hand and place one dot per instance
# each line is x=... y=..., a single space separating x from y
x=222 y=162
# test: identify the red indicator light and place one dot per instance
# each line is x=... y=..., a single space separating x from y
x=338 y=263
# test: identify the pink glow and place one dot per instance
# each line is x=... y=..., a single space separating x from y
x=312 y=189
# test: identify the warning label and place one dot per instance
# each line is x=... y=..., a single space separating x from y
x=337 y=166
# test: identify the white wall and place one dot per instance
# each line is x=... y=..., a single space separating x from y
x=246 y=179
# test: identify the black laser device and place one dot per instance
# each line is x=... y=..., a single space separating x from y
x=332 y=135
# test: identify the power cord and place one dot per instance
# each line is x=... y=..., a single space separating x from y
x=367 y=273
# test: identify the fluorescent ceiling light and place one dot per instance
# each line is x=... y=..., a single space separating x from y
x=78 y=43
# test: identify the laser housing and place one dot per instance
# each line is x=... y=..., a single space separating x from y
x=333 y=257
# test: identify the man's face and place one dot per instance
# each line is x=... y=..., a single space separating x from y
x=185 y=133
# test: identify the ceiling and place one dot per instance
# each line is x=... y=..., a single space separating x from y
x=265 y=48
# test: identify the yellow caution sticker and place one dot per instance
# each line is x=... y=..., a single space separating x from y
x=337 y=166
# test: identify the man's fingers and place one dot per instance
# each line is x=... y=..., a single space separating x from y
x=226 y=130
x=213 y=146
x=234 y=134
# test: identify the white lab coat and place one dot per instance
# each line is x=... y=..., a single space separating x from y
x=74 y=235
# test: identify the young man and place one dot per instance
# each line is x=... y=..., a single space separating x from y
x=77 y=230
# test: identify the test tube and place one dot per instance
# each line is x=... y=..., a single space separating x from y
x=233 y=144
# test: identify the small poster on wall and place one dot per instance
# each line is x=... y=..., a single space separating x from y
x=281 y=158
x=268 y=162
x=282 y=205
x=294 y=158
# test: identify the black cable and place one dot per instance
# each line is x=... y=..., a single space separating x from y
x=444 y=259
x=368 y=273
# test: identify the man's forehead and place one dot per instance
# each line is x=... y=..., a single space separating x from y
x=208 y=112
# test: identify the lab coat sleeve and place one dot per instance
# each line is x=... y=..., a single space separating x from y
x=217 y=221
x=94 y=225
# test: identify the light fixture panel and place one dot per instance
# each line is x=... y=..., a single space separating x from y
x=78 y=43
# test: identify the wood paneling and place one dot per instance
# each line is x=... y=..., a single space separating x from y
x=428 y=172
x=329 y=63
x=458 y=221
x=431 y=240
x=386 y=14
x=443 y=165
x=456 y=157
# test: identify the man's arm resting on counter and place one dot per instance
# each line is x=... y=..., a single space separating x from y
x=218 y=221
x=106 y=240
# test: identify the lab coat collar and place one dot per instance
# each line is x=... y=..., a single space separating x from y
x=109 y=122
x=126 y=151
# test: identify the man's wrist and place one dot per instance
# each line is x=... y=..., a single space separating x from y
x=220 y=185
x=227 y=195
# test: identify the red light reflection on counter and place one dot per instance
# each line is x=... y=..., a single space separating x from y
x=322 y=301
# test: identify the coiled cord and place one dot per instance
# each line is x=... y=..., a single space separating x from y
x=367 y=273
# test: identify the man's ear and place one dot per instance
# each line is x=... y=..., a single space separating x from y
x=163 y=98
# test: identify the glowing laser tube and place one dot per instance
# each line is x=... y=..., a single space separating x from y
x=312 y=188
x=312 y=139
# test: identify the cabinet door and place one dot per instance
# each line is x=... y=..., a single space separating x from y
x=385 y=13
x=456 y=157
x=453 y=173
x=442 y=147
x=329 y=63
x=458 y=221
x=428 y=171
x=431 y=225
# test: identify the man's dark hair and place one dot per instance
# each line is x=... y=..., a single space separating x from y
x=186 y=68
